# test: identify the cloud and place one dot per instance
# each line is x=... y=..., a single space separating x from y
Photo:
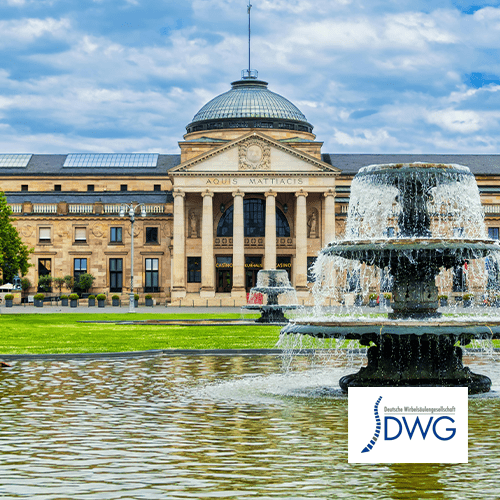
x=463 y=121
x=370 y=76
x=26 y=31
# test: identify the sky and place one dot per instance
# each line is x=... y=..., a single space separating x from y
x=371 y=76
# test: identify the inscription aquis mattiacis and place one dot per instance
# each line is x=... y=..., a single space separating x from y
x=255 y=181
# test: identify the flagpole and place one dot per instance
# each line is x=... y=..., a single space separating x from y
x=248 y=10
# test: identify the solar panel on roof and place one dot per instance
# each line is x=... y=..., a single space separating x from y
x=14 y=160
x=111 y=160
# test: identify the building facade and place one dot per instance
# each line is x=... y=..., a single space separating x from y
x=250 y=189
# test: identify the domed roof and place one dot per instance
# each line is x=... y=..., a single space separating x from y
x=249 y=104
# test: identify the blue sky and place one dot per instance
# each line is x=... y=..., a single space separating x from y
x=372 y=76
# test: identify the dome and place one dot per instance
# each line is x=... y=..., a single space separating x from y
x=249 y=104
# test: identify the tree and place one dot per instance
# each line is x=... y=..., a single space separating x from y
x=25 y=284
x=59 y=283
x=69 y=281
x=14 y=254
x=85 y=281
x=45 y=283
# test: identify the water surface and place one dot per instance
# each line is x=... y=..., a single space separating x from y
x=209 y=427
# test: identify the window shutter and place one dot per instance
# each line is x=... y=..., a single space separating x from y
x=44 y=233
x=80 y=234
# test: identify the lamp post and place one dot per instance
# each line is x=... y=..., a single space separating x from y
x=132 y=210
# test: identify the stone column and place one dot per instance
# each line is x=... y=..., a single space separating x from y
x=207 y=243
x=179 y=243
x=329 y=217
x=238 y=289
x=301 y=241
x=270 y=255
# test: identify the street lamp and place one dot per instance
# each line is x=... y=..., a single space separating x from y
x=132 y=210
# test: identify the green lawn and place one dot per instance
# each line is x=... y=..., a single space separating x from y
x=65 y=333
x=62 y=333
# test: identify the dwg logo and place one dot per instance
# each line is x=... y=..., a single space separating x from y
x=409 y=424
x=437 y=429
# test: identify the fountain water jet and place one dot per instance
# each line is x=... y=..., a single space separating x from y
x=437 y=223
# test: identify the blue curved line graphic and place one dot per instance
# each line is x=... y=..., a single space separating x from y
x=371 y=444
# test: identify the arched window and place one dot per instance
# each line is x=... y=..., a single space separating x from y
x=282 y=227
x=225 y=227
x=254 y=217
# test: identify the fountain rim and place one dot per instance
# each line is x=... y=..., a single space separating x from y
x=408 y=167
x=356 y=329
x=416 y=243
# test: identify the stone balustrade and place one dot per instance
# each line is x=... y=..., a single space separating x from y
x=16 y=208
x=491 y=209
x=78 y=208
x=44 y=208
x=112 y=208
x=155 y=209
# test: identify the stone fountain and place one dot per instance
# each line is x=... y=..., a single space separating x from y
x=436 y=221
x=272 y=296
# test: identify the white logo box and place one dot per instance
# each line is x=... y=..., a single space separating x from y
x=408 y=425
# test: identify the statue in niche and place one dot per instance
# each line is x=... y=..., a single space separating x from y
x=193 y=225
x=312 y=225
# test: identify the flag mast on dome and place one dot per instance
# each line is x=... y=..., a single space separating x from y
x=249 y=73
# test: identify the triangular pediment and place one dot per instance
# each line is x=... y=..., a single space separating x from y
x=253 y=153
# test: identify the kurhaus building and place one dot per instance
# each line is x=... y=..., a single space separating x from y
x=250 y=189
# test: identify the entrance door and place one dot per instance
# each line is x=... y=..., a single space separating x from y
x=224 y=280
x=252 y=266
x=224 y=274
x=285 y=263
x=250 y=278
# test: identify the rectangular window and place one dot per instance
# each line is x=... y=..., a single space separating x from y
x=157 y=187
x=80 y=234
x=123 y=187
x=311 y=277
x=152 y=276
x=151 y=235
x=57 y=187
x=24 y=187
x=194 y=269
x=116 y=235
x=493 y=233
x=79 y=268
x=44 y=235
x=90 y=187
x=44 y=269
x=115 y=275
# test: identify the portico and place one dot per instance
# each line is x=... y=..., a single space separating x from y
x=252 y=203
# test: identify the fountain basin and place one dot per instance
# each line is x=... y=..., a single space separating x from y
x=356 y=330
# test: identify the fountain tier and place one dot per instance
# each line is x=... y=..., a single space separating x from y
x=272 y=296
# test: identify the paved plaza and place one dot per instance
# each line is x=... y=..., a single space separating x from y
x=108 y=309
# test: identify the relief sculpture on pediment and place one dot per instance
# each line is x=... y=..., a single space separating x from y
x=254 y=155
